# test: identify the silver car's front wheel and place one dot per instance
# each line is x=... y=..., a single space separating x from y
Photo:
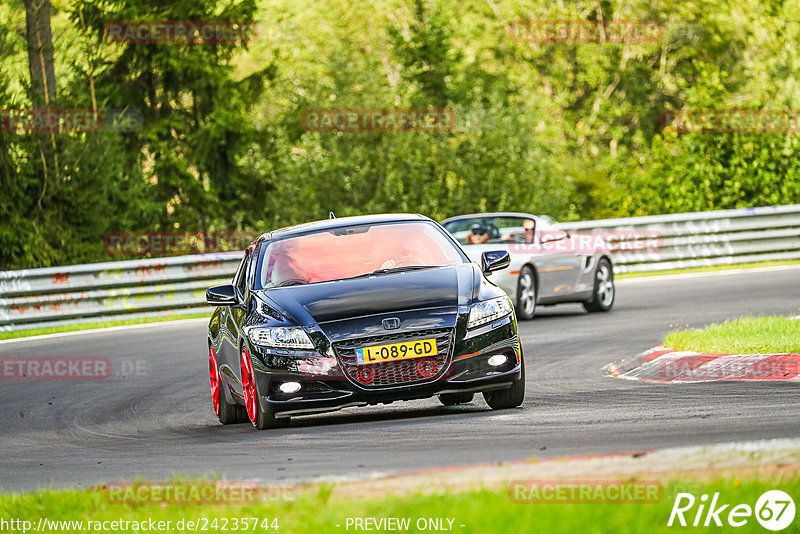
x=526 y=294
x=603 y=294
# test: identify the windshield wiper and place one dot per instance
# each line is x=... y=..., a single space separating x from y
x=401 y=269
x=388 y=271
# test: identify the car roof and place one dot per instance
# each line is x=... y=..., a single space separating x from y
x=495 y=214
x=328 y=224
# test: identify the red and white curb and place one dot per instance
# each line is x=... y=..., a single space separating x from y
x=662 y=364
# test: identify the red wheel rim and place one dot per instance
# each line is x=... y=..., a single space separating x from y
x=213 y=374
x=249 y=386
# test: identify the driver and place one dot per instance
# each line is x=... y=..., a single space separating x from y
x=284 y=268
x=478 y=235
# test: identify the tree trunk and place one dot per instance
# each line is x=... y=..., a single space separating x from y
x=40 y=52
x=43 y=79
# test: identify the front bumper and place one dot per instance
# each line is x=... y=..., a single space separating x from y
x=341 y=394
x=325 y=387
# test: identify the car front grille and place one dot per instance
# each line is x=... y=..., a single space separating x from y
x=401 y=372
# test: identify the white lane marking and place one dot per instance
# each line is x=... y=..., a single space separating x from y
x=107 y=329
x=727 y=272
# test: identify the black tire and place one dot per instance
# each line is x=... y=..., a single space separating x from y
x=604 y=292
x=508 y=398
x=526 y=303
x=451 y=399
x=266 y=420
x=230 y=414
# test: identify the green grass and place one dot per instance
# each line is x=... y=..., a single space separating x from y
x=709 y=268
x=102 y=324
x=747 y=335
x=480 y=511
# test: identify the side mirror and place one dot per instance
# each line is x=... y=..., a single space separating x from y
x=494 y=260
x=224 y=295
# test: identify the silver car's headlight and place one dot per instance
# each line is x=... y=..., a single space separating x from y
x=279 y=336
x=489 y=310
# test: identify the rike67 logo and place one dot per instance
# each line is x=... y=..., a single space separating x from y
x=774 y=510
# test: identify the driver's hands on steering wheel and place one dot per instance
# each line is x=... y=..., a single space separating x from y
x=389 y=264
x=401 y=262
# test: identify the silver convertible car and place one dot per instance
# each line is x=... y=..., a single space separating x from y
x=548 y=264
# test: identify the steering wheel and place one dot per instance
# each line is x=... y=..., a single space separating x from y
x=405 y=261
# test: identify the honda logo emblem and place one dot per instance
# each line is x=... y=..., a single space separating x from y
x=391 y=324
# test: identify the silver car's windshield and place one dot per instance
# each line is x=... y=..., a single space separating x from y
x=500 y=229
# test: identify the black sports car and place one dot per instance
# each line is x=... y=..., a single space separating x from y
x=358 y=311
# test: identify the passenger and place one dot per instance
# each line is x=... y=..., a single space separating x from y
x=478 y=235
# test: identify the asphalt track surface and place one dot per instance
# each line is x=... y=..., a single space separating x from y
x=158 y=422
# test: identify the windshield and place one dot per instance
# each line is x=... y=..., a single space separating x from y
x=503 y=229
x=354 y=251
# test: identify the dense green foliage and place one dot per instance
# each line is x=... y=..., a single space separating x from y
x=567 y=130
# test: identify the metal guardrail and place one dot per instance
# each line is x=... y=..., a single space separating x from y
x=176 y=285
x=116 y=290
x=707 y=238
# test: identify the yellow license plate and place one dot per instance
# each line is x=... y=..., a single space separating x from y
x=405 y=350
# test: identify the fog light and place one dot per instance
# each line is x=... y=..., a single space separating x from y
x=498 y=359
x=290 y=387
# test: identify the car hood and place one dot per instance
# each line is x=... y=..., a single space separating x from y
x=440 y=287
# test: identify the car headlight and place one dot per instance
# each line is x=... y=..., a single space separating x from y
x=279 y=336
x=488 y=310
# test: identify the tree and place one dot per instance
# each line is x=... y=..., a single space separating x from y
x=42 y=78
x=40 y=52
